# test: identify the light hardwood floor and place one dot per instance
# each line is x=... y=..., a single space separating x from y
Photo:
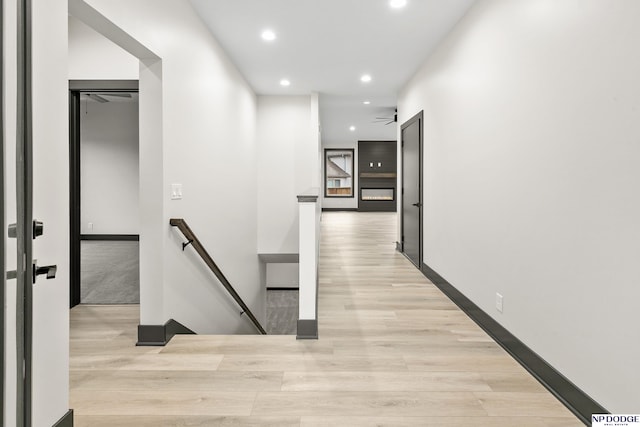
x=393 y=351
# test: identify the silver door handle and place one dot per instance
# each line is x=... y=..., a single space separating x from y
x=417 y=204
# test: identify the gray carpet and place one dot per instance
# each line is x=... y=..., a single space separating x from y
x=282 y=312
x=109 y=272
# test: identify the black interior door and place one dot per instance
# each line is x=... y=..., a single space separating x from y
x=411 y=133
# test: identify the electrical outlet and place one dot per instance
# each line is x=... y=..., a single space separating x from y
x=176 y=191
x=499 y=302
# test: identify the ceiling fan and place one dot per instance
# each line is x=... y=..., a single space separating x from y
x=388 y=120
x=103 y=97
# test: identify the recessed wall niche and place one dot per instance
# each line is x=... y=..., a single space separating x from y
x=377 y=168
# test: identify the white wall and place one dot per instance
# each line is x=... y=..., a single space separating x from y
x=92 y=56
x=50 y=204
x=109 y=167
x=109 y=132
x=313 y=152
x=285 y=153
x=283 y=275
x=206 y=142
x=288 y=163
x=532 y=141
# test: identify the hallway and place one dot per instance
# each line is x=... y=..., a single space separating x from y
x=393 y=350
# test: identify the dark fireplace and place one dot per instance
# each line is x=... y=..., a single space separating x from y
x=377 y=194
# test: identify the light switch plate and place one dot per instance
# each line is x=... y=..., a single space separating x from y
x=176 y=191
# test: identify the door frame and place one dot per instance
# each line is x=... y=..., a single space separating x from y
x=23 y=274
x=24 y=217
x=417 y=118
x=75 y=88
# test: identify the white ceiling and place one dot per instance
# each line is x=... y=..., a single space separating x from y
x=325 y=46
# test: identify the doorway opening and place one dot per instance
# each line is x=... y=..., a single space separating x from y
x=104 y=197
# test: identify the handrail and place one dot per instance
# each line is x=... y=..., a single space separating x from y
x=193 y=240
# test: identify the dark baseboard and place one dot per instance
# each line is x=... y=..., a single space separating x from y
x=339 y=209
x=282 y=289
x=151 y=335
x=111 y=237
x=173 y=328
x=282 y=258
x=564 y=390
x=307 y=329
x=160 y=335
x=66 y=420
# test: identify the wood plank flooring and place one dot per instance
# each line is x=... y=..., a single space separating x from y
x=393 y=351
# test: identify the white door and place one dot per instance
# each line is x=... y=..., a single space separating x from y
x=35 y=184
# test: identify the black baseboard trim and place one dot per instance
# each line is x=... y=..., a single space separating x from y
x=282 y=289
x=377 y=209
x=111 y=237
x=151 y=335
x=339 y=209
x=282 y=258
x=160 y=335
x=173 y=327
x=66 y=420
x=576 y=400
x=307 y=329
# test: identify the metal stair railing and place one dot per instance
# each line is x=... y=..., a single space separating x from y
x=193 y=241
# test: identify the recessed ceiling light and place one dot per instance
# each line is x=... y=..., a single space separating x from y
x=366 y=78
x=397 y=4
x=352 y=128
x=268 y=35
x=367 y=102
